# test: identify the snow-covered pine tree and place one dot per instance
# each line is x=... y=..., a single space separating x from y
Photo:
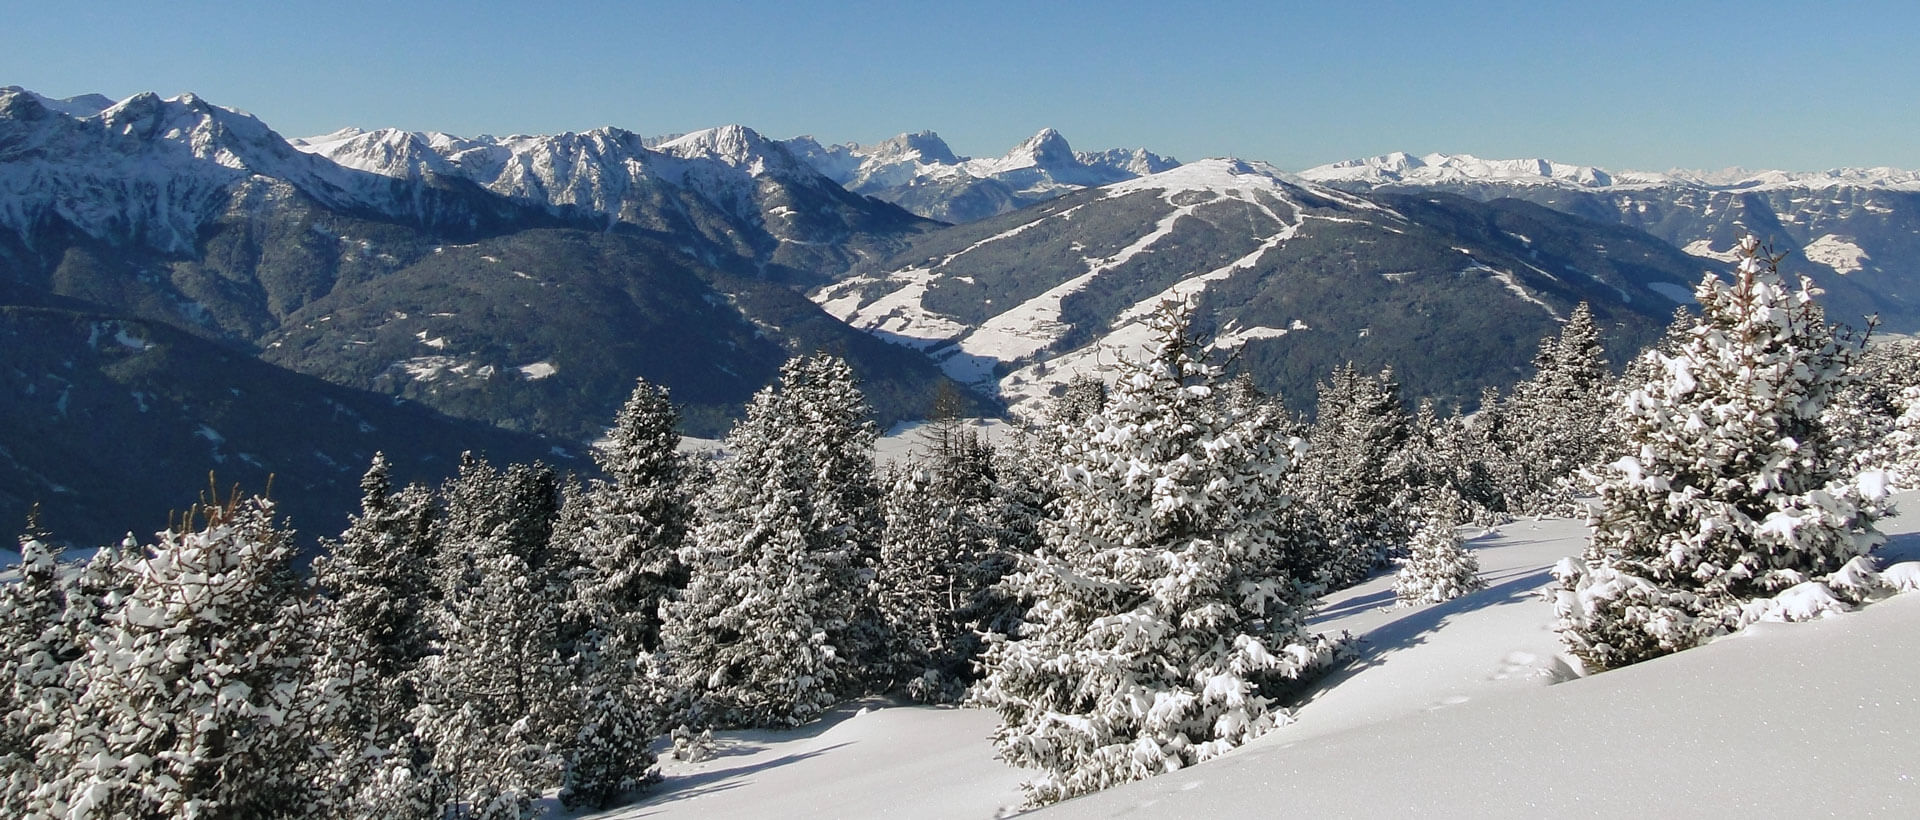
x=1732 y=488
x=495 y=698
x=1903 y=443
x=1877 y=412
x=50 y=630
x=189 y=701
x=1352 y=479
x=1557 y=419
x=1420 y=459
x=777 y=622
x=1161 y=628
x=1082 y=397
x=34 y=654
x=939 y=561
x=372 y=632
x=1470 y=452
x=1437 y=567
x=628 y=529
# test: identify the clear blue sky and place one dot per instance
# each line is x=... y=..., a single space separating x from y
x=1652 y=86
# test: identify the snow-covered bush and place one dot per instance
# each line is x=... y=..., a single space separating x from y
x=1732 y=488
x=1161 y=626
x=1437 y=567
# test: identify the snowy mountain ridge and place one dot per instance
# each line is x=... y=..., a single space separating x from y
x=84 y=105
x=154 y=170
x=1855 y=231
x=921 y=172
x=1400 y=168
x=603 y=172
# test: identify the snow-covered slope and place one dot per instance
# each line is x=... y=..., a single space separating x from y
x=1452 y=710
x=1295 y=274
x=921 y=173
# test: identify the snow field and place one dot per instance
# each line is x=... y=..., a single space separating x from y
x=1447 y=711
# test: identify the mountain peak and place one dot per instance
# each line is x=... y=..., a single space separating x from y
x=724 y=141
x=1047 y=149
x=78 y=107
x=19 y=103
x=924 y=146
x=740 y=147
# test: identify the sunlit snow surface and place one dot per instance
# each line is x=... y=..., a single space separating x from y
x=1448 y=712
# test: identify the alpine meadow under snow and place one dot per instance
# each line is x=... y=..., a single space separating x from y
x=1372 y=490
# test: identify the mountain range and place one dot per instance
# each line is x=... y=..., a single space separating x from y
x=1854 y=232
x=522 y=284
x=920 y=173
x=506 y=291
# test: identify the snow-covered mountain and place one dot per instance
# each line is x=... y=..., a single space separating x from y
x=1855 y=231
x=921 y=173
x=375 y=259
x=1402 y=168
x=156 y=173
x=1299 y=278
x=84 y=105
x=739 y=192
x=146 y=169
x=1399 y=168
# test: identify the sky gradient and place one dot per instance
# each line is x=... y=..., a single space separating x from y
x=1621 y=85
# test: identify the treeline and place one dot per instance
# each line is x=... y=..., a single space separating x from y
x=1126 y=580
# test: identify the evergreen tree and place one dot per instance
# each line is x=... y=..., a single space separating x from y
x=1477 y=451
x=628 y=529
x=1733 y=489
x=1353 y=478
x=1083 y=397
x=778 y=622
x=1161 y=628
x=1557 y=419
x=496 y=706
x=1437 y=567
x=1903 y=443
x=375 y=585
x=49 y=619
x=190 y=700
x=1876 y=412
x=34 y=654
x=939 y=561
